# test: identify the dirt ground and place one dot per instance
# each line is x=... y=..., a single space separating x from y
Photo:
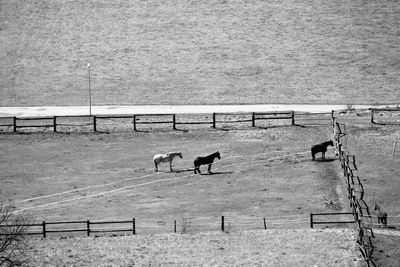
x=104 y=176
x=262 y=173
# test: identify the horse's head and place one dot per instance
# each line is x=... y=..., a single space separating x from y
x=330 y=143
x=377 y=207
x=218 y=155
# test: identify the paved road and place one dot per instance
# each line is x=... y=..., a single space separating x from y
x=167 y=109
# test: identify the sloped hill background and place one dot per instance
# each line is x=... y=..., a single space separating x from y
x=199 y=52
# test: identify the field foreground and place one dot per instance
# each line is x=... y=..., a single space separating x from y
x=311 y=247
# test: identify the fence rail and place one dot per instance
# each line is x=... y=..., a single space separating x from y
x=55 y=122
x=313 y=215
x=375 y=111
x=88 y=229
x=223 y=223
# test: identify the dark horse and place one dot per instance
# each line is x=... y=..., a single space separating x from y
x=204 y=161
x=320 y=148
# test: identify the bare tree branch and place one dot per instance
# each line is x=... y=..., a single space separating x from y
x=13 y=243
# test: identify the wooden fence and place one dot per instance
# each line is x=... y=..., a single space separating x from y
x=86 y=227
x=382 y=111
x=356 y=193
x=45 y=228
x=93 y=123
x=337 y=221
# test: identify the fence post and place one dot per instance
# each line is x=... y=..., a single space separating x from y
x=173 y=122
x=372 y=115
x=15 y=124
x=311 y=220
x=265 y=224
x=293 y=122
x=253 y=119
x=55 y=124
x=222 y=224
x=394 y=147
x=213 y=120
x=44 y=229
x=88 y=227
x=175 y=226
x=134 y=123
x=94 y=124
x=134 y=226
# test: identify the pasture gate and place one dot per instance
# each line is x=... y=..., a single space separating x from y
x=385 y=115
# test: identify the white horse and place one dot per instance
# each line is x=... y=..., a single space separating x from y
x=157 y=159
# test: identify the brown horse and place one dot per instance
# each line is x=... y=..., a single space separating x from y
x=208 y=160
x=320 y=148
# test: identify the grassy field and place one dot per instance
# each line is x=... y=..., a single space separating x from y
x=262 y=173
x=199 y=52
x=111 y=176
x=334 y=247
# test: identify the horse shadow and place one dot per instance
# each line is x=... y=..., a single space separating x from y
x=184 y=170
x=176 y=171
x=325 y=159
x=181 y=130
x=386 y=123
x=215 y=173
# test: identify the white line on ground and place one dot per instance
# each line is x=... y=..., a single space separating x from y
x=148 y=183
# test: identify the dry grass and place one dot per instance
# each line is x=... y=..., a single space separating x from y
x=244 y=189
x=111 y=176
x=151 y=52
x=249 y=248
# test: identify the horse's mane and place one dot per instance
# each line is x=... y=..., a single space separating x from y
x=174 y=152
x=215 y=153
x=327 y=142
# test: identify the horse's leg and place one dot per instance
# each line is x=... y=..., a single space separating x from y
x=170 y=166
x=155 y=166
x=209 y=168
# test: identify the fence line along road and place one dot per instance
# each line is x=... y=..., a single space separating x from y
x=213 y=119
